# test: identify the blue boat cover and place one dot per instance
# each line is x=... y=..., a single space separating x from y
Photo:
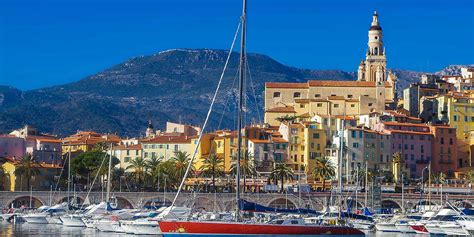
x=254 y=207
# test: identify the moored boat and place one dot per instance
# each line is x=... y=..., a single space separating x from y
x=278 y=227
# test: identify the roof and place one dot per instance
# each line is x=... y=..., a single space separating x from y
x=322 y=83
x=286 y=85
x=130 y=147
x=405 y=124
x=168 y=139
x=409 y=132
x=285 y=109
x=375 y=28
x=333 y=97
x=257 y=141
x=314 y=83
x=279 y=140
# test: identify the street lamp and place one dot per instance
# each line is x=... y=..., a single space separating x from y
x=422 y=185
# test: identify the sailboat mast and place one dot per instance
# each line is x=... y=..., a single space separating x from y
x=109 y=178
x=68 y=175
x=240 y=104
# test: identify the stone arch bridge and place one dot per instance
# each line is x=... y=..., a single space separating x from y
x=220 y=201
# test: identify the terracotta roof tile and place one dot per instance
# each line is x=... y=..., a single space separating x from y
x=286 y=109
x=286 y=85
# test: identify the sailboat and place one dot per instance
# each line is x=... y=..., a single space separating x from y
x=238 y=227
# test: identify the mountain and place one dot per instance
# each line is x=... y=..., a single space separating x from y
x=173 y=85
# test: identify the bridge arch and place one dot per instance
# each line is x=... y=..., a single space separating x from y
x=463 y=203
x=282 y=202
x=24 y=201
x=390 y=204
x=157 y=202
x=77 y=199
x=124 y=203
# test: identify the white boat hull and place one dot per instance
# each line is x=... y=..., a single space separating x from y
x=386 y=227
x=148 y=227
x=452 y=228
x=105 y=226
x=36 y=218
x=434 y=229
x=72 y=221
x=404 y=228
x=467 y=225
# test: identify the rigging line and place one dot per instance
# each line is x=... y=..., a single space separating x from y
x=57 y=183
x=95 y=178
x=253 y=91
x=207 y=118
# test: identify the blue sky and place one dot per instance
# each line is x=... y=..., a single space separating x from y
x=50 y=42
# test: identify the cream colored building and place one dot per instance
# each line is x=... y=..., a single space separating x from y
x=165 y=147
x=372 y=92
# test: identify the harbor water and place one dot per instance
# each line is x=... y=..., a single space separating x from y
x=26 y=229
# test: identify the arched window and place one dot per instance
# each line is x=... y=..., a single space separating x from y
x=297 y=95
x=276 y=94
x=376 y=51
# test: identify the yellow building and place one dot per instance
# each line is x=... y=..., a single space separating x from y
x=165 y=147
x=43 y=181
x=126 y=153
x=86 y=141
x=307 y=141
x=457 y=110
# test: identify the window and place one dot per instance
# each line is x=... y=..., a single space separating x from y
x=146 y=154
x=450 y=141
x=312 y=144
x=412 y=157
x=128 y=152
x=370 y=104
x=277 y=146
x=325 y=122
x=355 y=145
x=333 y=94
x=319 y=105
x=406 y=146
x=353 y=134
x=318 y=147
x=442 y=140
x=406 y=156
x=127 y=159
x=466 y=119
x=455 y=118
x=296 y=95
x=283 y=146
x=316 y=135
x=412 y=147
x=349 y=96
x=136 y=152
x=353 y=105
x=381 y=144
x=276 y=94
x=336 y=105
x=317 y=95
x=302 y=106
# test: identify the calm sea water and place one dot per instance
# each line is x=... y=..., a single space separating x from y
x=36 y=230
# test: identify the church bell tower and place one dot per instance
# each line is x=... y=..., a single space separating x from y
x=374 y=68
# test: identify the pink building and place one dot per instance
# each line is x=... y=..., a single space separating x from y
x=45 y=149
x=413 y=141
x=11 y=146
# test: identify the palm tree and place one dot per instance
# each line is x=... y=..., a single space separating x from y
x=282 y=172
x=181 y=162
x=213 y=167
x=247 y=166
x=398 y=162
x=323 y=170
x=153 y=164
x=139 y=167
x=27 y=166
